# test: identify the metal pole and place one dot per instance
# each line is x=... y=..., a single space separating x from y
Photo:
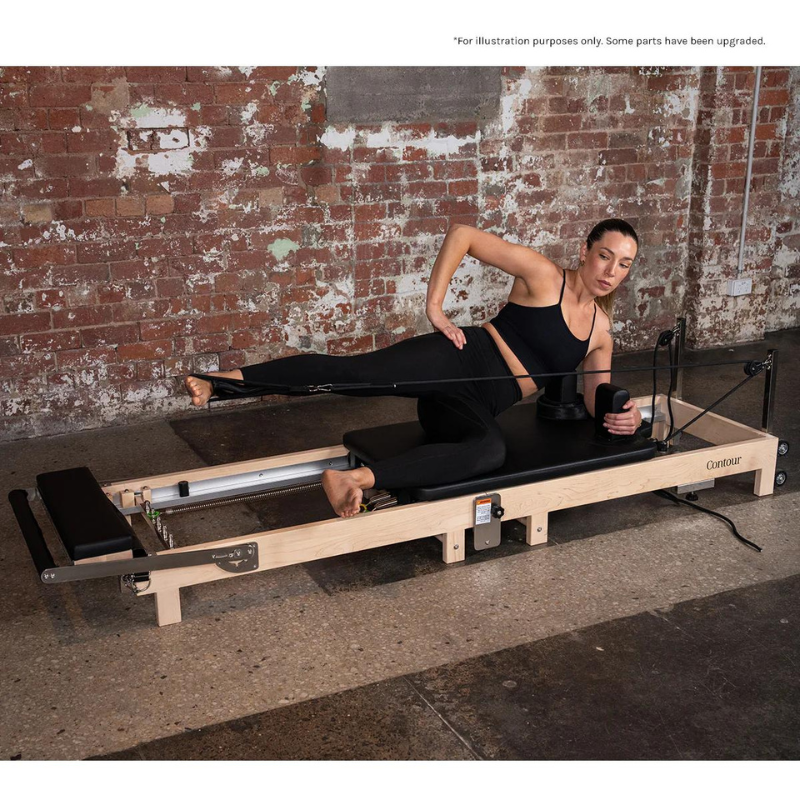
x=770 y=383
x=679 y=348
x=751 y=148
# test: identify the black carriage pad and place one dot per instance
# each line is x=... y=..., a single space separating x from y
x=88 y=523
x=537 y=449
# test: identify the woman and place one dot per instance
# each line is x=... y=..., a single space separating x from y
x=554 y=320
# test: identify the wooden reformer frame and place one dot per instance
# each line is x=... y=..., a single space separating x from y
x=733 y=448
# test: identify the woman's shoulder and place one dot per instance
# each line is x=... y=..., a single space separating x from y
x=540 y=285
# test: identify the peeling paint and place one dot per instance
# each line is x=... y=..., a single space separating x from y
x=232 y=165
x=309 y=77
x=182 y=144
x=145 y=116
x=281 y=248
x=338 y=140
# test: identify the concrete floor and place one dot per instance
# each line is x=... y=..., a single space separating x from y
x=642 y=630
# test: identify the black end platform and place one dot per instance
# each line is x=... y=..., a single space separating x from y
x=88 y=523
x=537 y=449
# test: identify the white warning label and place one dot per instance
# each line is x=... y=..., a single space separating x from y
x=483 y=511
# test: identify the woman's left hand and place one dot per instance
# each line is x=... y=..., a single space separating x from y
x=625 y=423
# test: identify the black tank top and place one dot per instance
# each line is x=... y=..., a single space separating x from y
x=540 y=337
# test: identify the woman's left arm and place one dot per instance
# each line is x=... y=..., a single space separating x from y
x=627 y=421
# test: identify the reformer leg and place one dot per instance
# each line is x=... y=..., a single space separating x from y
x=168 y=606
x=453 y=546
x=765 y=479
x=535 y=529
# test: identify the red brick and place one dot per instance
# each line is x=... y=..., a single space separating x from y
x=50 y=298
x=82 y=317
x=68 y=209
x=63 y=166
x=33 y=364
x=64 y=118
x=91 y=141
x=60 y=95
x=94 y=187
x=160 y=204
x=111 y=293
x=366 y=212
x=294 y=155
x=51 y=341
x=44 y=256
x=418 y=227
x=161 y=248
x=136 y=270
x=315 y=176
x=496 y=164
x=184 y=94
x=110 y=335
x=37 y=213
x=130 y=206
x=92 y=74
x=773 y=97
x=30 y=119
x=166 y=328
x=78 y=274
x=240 y=93
x=93 y=252
x=13 y=95
x=621 y=156
x=462 y=188
x=23 y=323
x=156 y=74
x=143 y=351
x=100 y=208
x=70 y=360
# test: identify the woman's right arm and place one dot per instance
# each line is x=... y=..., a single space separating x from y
x=462 y=240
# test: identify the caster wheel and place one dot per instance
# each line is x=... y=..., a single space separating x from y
x=783 y=447
x=780 y=477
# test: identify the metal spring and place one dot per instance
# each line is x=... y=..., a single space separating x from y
x=159 y=527
x=227 y=501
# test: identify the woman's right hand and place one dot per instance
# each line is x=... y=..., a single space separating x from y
x=442 y=324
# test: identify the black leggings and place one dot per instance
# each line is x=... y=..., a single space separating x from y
x=458 y=418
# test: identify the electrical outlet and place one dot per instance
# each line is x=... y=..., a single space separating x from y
x=740 y=286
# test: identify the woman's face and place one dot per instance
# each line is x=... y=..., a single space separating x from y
x=608 y=262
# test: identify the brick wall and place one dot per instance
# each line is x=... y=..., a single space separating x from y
x=157 y=221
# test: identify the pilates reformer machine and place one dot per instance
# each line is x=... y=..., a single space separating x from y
x=548 y=444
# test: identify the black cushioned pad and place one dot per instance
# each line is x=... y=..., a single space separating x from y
x=537 y=449
x=88 y=523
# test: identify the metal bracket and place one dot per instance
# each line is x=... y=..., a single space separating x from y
x=685 y=488
x=238 y=559
x=487 y=515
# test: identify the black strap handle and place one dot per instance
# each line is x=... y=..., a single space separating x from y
x=31 y=530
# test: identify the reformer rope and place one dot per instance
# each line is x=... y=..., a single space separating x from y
x=242 y=388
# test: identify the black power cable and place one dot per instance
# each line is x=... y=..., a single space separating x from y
x=675 y=499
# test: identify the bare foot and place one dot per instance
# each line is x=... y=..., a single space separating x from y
x=199 y=389
x=343 y=491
